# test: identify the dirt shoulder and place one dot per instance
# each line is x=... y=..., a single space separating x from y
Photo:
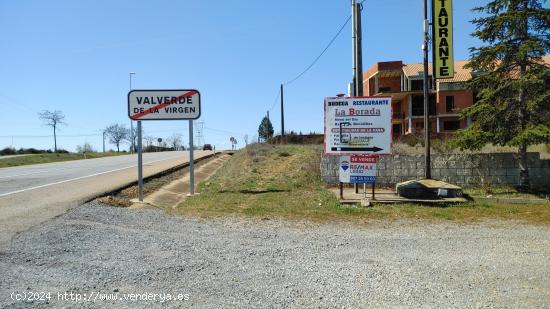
x=246 y=262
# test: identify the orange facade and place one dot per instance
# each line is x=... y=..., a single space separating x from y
x=404 y=83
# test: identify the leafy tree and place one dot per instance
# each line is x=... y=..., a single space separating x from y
x=52 y=119
x=265 y=130
x=117 y=134
x=511 y=80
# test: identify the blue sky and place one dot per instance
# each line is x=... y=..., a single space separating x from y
x=75 y=56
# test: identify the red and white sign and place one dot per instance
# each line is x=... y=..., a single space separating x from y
x=358 y=169
x=164 y=104
x=358 y=125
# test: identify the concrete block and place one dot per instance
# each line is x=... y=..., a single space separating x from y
x=472 y=164
x=420 y=164
x=498 y=172
x=472 y=180
x=512 y=172
x=420 y=172
x=497 y=180
x=383 y=173
x=409 y=173
x=445 y=172
x=439 y=164
x=455 y=164
x=459 y=180
x=436 y=172
x=511 y=180
x=509 y=162
x=464 y=172
x=481 y=172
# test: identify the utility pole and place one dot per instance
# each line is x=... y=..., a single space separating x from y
x=103 y=141
x=358 y=50
x=282 y=117
x=427 y=161
x=353 y=49
x=357 y=54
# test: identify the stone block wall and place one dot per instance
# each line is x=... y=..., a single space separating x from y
x=461 y=169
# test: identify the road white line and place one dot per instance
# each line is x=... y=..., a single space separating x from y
x=78 y=178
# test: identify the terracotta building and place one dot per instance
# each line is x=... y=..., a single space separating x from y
x=404 y=83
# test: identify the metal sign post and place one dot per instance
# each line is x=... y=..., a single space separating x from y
x=191 y=161
x=140 y=163
x=171 y=104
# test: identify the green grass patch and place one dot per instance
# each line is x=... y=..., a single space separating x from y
x=53 y=157
x=502 y=192
x=284 y=181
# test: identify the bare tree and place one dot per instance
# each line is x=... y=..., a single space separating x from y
x=233 y=143
x=85 y=148
x=117 y=134
x=149 y=140
x=175 y=141
x=246 y=139
x=52 y=119
x=131 y=138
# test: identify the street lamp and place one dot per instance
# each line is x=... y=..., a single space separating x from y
x=131 y=122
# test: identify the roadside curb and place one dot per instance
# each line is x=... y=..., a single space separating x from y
x=155 y=175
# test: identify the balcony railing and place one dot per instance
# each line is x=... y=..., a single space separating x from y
x=455 y=110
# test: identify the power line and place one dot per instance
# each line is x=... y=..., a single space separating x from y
x=321 y=54
x=224 y=131
x=275 y=101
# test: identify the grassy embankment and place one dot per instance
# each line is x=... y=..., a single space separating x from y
x=284 y=182
x=53 y=157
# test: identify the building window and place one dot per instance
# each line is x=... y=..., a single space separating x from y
x=418 y=84
x=418 y=105
x=450 y=103
x=451 y=125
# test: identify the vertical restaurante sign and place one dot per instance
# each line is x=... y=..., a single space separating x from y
x=443 y=38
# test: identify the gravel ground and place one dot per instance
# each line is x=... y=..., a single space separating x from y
x=236 y=262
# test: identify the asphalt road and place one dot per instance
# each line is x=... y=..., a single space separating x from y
x=33 y=194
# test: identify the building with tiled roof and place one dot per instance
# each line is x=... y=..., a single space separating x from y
x=404 y=83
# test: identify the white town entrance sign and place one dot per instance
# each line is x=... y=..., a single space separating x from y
x=164 y=104
x=358 y=125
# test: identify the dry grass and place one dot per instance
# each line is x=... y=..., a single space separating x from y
x=284 y=182
x=54 y=157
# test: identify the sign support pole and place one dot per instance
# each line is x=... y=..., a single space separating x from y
x=191 y=161
x=140 y=163
x=427 y=163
